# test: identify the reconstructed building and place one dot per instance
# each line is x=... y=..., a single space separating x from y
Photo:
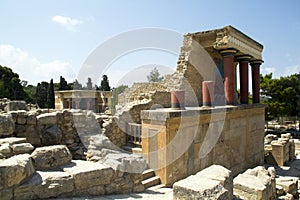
x=94 y=100
x=227 y=131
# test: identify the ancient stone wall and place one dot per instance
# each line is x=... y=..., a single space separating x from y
x=49 y=172
x=46 y=169
x=56 y=127
x=7 y=105
x=278 y=151
x=195 y=65
x=140 y=92
x=115 y=128
x=191 y=140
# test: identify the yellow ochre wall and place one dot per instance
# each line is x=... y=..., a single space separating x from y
x=177 y=144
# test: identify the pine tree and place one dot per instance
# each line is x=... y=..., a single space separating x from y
x=154 y=76
x=50 y=95
x=41 y=94
x=63 y=84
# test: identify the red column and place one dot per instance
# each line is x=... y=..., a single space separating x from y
x=255 y=65
x=229 y=74
x=177 y=99
x=244 y=80
x=208 y=93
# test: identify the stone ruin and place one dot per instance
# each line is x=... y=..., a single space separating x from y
x=61 y=153
x=50 y=153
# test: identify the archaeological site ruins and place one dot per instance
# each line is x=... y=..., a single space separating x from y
x=192 y=132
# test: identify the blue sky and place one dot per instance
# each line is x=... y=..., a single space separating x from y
x=41 y=40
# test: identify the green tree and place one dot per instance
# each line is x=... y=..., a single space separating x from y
x=31 y=93
x=50 y=95
x=105 y=84
x=42 y=94
x=63 y=84
x=282 y=95
x=10 y=85
x=154 y=76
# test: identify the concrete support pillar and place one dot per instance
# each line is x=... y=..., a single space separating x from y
x=244 y=77
x=229 y=74
x=208 y=93
x=177 y=99
x=255 y=69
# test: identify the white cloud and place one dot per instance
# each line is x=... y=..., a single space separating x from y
x=286 y=71
x=291 y=70
x=268 y=70
x=31 y=69
x=67 y=22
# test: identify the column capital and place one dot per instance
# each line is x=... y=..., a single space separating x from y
x=244 y=58
x=256 y=62
x=228 y=52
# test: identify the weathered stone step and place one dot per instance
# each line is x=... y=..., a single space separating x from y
x=135 y=150
x=148 y=174
x=156 y=187
x=151 y=182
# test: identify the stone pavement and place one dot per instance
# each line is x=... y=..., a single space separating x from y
x=155 y=193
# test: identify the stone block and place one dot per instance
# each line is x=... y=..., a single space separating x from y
x=51 y=136
x=15 y=170
x=51 y=156
x=88 y=174
x=14 y=115
x=45 y=184
x=254 y=184
x=7 y=125
x=272 y=172
x=22 y=148
x=20 y=130
x=35 y=141
x=297 y=144
x=279 y=190
x=94 y=191
x=13 y=140
x=47 y=119
x=291 y=150
x=122 y=161
x=289 y=184
x=286 y=197
x=219 y=173
x=16 y=105
x=279 y=152
x=5 y=149
x=22 y=117
x=31 y=119
x=194 y=187
x=138 y=188
x=6 y=194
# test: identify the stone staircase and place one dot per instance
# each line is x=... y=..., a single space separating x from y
x=150 y=179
